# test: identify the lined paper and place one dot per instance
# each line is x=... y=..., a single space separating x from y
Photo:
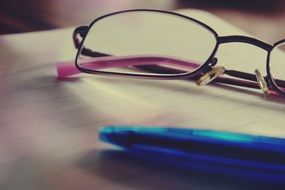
x=49 y=126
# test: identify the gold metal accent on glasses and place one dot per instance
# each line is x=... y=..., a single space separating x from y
x=211 y=75
x=262 y=84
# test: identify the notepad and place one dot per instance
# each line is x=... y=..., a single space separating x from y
x=54 y=122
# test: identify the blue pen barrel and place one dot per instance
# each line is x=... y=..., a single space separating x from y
x=225 y=144
x=264 y=154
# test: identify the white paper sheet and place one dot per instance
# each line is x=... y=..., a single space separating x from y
x=49 y=128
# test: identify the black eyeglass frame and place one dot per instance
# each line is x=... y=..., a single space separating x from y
x=80 y=33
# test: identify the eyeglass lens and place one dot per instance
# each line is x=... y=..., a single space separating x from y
x=163 y=39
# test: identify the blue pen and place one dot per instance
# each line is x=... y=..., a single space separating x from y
x=208 y=150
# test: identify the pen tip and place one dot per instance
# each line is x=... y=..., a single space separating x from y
x=104 y=132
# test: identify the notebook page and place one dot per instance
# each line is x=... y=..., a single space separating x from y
x=48 y=126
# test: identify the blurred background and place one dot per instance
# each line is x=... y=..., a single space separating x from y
x=263 y=18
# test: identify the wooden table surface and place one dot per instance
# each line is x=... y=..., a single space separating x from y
x=263 y=18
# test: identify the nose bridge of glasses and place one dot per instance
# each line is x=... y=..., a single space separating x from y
x=245 y=39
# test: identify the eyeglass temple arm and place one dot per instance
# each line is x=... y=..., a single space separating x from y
x=67 y=69
x=250 y=82
x=224 y=80
x=252 y=77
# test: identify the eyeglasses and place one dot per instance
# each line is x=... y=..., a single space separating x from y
x=158 y=44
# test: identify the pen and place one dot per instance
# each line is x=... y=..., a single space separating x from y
x=221 y=151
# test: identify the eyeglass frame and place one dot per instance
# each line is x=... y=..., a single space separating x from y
x=81 y=32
